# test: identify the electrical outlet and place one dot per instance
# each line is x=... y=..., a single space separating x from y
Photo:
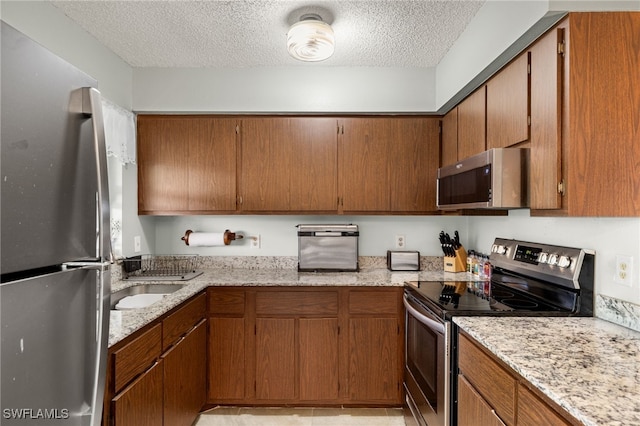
x=624 y=270
x=401 y=242
x=137 y=246
x=255 y=241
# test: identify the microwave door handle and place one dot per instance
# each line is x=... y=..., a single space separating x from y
x=436 y=326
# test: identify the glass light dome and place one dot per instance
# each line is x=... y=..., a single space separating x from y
x=311 y=39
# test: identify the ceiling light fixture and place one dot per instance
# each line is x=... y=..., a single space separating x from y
x=310 y=39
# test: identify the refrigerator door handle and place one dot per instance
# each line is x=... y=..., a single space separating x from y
x=92 y=106
x=100 y=266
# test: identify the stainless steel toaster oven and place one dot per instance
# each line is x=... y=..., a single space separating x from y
x=328 y=248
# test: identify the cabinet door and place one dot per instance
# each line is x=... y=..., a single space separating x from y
x=413 y=165
x=496 y=385
x=546 y=122
x=532 y=411
x=603 y=163
x=186 y=164
x=473 y=410
x=140 y=403
x=289 y=164
x=318 y=359
x=212 y=164
x=275 y=359
x=472 y=124
x=226 y=359
x=388 y=164
x=508 y=105
x=163 y=164
x=185 y=372
x=373 y=360
x=450 y=138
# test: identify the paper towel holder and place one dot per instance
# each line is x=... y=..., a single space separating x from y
x=228 y=236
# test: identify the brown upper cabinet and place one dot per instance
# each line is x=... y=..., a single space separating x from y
x=494 y=116
x=288 y=164
x=449 y=152
x=589 y=129
x=472 y=115
x=508 y=105
x=572 y=97
x=388 y=164
x=546 y=118
x=186 y=164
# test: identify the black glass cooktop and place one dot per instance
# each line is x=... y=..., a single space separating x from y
x=449 y=298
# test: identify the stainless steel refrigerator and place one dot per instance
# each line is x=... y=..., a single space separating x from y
x=55 y=284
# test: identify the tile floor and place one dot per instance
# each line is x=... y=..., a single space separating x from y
x=245 y=416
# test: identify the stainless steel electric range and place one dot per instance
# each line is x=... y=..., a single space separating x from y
x=528 y=279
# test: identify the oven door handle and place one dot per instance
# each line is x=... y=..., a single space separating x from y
x=434 y=325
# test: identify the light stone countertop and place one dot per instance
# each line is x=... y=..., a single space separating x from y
x=124 y=323
x=588 y=366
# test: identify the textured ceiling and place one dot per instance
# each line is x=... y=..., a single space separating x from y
x=238 y=33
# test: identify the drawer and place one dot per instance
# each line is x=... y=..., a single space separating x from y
x=136 y=356
x=374 y=301
x=184 y=319
x=304 y=302
x=226 y=301
x=493 y=382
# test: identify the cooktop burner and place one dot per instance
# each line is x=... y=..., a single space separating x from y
x=449 y=298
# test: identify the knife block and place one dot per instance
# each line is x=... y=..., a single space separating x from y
x=457 y=263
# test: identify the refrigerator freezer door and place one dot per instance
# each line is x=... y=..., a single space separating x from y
x=49 y=183
x=50 y=346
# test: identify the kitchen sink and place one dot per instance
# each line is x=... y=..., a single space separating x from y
x=157 y=289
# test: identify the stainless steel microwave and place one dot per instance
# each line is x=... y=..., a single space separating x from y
x=494 y=179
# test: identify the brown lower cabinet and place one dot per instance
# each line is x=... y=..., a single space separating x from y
x=305 y=345
x=185 y=381
x=157 y=376
x=140 y=403
x=491 y=393
x=323 y=346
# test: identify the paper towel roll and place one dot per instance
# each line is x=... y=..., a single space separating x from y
x=206 y=239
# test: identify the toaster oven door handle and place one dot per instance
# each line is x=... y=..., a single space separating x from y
x=433 y=324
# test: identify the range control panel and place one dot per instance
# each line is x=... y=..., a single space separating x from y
x=545 y=261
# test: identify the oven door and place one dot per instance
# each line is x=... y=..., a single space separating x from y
x=427 y=365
